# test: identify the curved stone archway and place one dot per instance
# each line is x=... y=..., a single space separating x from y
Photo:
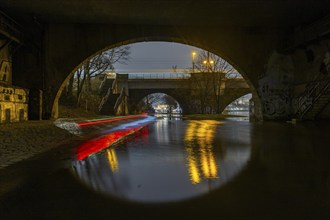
x=178 y=95
x=236 y=98
x=83 y=42
x=258 y=42
x=228 y=99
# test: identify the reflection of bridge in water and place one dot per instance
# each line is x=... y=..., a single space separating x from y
x=122 y=92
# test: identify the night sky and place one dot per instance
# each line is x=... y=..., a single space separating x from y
x=157 y=57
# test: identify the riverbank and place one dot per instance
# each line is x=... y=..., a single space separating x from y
x=24 y=140
x=20 y=141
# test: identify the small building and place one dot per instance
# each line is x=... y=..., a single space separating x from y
x=13 y=99
x=13 y=104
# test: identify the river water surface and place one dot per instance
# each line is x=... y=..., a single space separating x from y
x=169 y=160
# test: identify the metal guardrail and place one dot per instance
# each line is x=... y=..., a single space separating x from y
x=314 y=90
x=159 y=76
x=170 y=76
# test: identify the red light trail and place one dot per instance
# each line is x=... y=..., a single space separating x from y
x=95 y=145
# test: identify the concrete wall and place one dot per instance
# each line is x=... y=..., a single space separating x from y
x=312 y=63
x=275 y=87
x=287 y=76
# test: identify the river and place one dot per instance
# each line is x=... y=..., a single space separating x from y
x=169 y=160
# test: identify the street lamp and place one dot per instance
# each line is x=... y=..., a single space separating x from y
x=208 y=64
x=193 y=60
x=205 y=62
x=211 y=64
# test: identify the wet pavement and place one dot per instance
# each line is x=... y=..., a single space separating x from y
x=284 y=175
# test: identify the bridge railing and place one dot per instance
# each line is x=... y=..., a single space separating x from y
x=314 y=90
x=159 y=76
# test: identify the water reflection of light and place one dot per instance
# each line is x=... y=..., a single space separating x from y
x=95 y=145
x=193 y=167
x=112 y=159
x=147 y=170
x=202 y=163
x=162 y=128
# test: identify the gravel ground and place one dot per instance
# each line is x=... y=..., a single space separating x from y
x=20 y=141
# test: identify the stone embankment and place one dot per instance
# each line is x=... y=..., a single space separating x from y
x=20 y=141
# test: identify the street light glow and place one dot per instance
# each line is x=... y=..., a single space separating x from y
x=193 y=60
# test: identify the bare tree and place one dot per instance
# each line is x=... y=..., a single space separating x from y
x=211 y=72
x=96 y=66
x=200 y=86
x=104 y=62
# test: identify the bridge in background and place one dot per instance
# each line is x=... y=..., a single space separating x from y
x=122 y=92
x=280 y=47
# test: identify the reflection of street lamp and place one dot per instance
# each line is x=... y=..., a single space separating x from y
x=193 y=60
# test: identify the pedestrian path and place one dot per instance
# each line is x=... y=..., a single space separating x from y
x=21 y=141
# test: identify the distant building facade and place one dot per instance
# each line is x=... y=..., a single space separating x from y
x=13 y=99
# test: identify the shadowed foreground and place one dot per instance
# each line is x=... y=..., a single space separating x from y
x=286 y=178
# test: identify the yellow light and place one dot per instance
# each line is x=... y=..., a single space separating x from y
x=205 y=62
x=193 y=168
x=213 y=166
x=112 y=159
x=201 y=165
x=193 y=53
x=204 y=163
x=211 y=61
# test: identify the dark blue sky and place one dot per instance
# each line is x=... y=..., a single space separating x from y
x=157 y=56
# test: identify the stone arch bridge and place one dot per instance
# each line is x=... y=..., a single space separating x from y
x=281 y=48
x=122 y=93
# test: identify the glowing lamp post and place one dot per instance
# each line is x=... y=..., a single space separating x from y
x=193 y=54
x=208 y=64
